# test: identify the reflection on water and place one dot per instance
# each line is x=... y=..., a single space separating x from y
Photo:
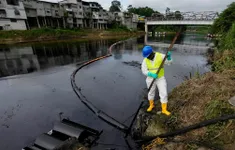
x=21 y=59
x=184 y=39
x=26 y=59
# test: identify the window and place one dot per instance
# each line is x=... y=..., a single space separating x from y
x=48 y=11
x=13 y=20
x=80 y=13
x=13 y=2
x=2 y=13
x=1 y=27
x=17 y=12
x=69 y=6
x=80 y=7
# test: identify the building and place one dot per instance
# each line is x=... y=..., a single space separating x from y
x=12 y=15
x=99 y=16
x=87 y=15
x=73 y=13
x=22 y=14
x=129 y=20
x=43 y=14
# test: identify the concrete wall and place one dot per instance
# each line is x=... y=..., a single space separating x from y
x=12 y=9
x=47 y=8
x=40 y=9
x=56 y=12
x=7 y=24
x=31 y=12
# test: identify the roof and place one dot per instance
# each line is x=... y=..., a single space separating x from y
x=50 y=1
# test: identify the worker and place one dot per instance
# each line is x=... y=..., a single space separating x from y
x=151 y=63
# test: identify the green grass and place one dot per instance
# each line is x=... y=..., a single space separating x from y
x=223 y=60
x=119 y=28
x=35 y=33
x=55 y=33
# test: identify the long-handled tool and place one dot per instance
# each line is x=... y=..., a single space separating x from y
x=163 y=61
x=142 y=102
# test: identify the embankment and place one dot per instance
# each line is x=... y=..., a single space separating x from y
x=47 y=34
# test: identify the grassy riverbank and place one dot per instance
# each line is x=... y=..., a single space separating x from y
x=48 y=34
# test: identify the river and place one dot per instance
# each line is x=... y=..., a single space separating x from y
x=35 y=84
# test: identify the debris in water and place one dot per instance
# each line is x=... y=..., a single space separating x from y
x=133 y=64
x=4 y=125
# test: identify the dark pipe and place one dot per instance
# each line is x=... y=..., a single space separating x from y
x=189 y=128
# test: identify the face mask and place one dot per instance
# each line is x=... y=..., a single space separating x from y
x=151 y=56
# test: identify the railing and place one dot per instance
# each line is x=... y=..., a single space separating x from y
x=178 y=19
x=185 y=16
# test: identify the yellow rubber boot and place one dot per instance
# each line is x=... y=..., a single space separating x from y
x=151 y=105
x=164 y=109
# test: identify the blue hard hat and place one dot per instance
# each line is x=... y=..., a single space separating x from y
x=147 y=50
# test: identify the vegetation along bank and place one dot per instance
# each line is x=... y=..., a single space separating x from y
x=49 y=34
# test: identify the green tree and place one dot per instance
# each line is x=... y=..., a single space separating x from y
x=228 y=40
x=142 y=11
x=157 y=14
x=115 y=6
x=225 y=20
x=178 y=15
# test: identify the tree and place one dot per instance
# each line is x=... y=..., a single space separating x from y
x=178 y=15
x=225 y=20
x=158 y=15
x=115 y=6
x=228 y=40
x=142 y=11
x=168 y=10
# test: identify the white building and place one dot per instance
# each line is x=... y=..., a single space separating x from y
x=12 y=15
x=22 y=14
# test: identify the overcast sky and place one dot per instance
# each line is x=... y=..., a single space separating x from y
x=181 y=5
